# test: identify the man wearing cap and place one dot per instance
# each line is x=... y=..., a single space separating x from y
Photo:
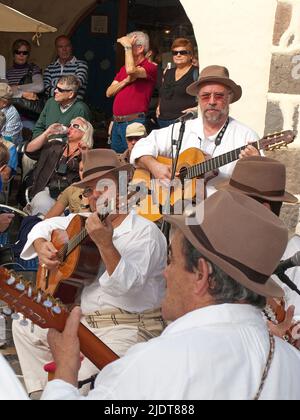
x=215 y=133
x=264 y=180
x=134 y=133
x=122 y=307
x=218 y=346
x=12 y=128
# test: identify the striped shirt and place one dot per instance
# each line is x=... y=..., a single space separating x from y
x=74 y=67
x=16 y=73
x=12 y=129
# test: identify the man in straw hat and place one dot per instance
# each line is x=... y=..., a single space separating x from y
x=218 y=346
x=215 y=132
x=122 y=307
x=264 y=180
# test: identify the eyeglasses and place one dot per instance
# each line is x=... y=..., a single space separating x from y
x=88 y=192
x=182 y=52
x=217 y=96
x=60 y=90
x=21 y=52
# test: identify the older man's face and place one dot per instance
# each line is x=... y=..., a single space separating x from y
x=179 y=282
x=214 y=100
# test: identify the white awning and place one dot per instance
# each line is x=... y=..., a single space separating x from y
x=13 y=21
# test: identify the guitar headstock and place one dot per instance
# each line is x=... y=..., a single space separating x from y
x=277 y=141
x=21 y=297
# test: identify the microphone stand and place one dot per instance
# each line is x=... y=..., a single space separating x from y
x=286 y=280
x=166 y=226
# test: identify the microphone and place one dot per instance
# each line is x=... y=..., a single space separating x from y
x=294 y=261
x=191 y=115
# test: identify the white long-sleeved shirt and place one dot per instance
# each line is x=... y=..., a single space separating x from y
x=159 y=142
x=291 y=297
x=215 y=353
x=10 y=387
x=137 y=284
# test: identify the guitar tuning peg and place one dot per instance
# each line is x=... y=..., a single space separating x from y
x=15 y=316
x=21 y=287
x=30 y=291
x=24 y=322
x=39 y=297
x=57 y=309
x=48 y=303
x=7 y=311
x=11 y=280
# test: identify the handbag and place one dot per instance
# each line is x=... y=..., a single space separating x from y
x=27 y=108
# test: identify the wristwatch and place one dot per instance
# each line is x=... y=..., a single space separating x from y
x=127 y=48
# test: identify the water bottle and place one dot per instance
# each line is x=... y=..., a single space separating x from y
x=2 y=331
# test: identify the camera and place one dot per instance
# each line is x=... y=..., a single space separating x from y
x=62 y=169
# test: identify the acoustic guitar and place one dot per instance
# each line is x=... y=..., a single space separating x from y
x=47 y=312
x=275 y=313
x=192 y=165
x=79 y=257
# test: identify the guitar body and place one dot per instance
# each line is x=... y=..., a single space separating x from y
x=80 y=268
x=151 y=206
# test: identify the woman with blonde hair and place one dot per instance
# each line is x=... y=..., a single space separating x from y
x=58 y=161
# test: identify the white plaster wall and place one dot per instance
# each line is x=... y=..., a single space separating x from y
x=238 y=34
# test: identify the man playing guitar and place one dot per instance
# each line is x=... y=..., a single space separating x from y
x=215 y=133
x=122 y=306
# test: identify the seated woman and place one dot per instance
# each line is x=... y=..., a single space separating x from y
x=57 y=160
x=72 y=199
x=25 y=78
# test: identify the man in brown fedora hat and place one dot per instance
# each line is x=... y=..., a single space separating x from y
x=122 y=307
x=215 y=132
x=264 y=180
x=218 y=345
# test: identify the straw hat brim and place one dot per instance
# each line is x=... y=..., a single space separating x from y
x=193 y=89
x=269 y=289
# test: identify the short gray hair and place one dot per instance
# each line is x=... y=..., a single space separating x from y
x=72 y=82
x=142 y=39
x=222 y=287
x=87 y=138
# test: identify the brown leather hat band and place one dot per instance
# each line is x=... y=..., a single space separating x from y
x=249 y=190
x=251 y=274
x=97 y=170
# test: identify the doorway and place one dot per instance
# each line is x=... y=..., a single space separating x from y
x=94 y=39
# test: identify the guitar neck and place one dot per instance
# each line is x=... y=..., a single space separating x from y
x=215 y=163
x=94 y=349
x=74 y=242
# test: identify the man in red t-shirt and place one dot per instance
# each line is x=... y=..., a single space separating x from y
x=132 y=87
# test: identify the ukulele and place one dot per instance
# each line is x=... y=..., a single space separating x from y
x=47 y=312
x=78 y=255
x=192 y=165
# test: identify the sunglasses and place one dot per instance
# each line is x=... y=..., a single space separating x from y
x=60 y=90
x=21 y=52
x=87 y=192
x=182 y=52
x=77 y=127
